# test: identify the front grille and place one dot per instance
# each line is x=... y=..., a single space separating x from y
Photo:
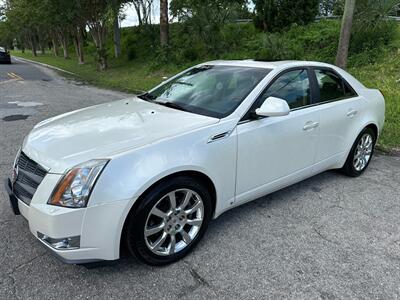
x=29 y=175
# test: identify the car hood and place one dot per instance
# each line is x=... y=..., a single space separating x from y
x=104 y=130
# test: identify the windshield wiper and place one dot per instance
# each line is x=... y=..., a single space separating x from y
x=183 y=83
x=172 y=105
x=147 y=97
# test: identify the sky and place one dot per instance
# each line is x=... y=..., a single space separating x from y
x=131 y=17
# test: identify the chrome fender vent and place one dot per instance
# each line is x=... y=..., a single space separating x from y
x=219 y=136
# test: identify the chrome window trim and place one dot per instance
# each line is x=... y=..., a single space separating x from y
x=313 y=103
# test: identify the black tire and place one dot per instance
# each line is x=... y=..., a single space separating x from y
x=349 y=168
x=135 y=239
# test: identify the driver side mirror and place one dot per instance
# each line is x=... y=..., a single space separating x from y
x=273 y=107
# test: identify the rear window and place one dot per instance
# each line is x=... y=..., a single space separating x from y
x=332 y=86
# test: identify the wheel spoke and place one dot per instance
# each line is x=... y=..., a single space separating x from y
x=173 y=222
x=159 y=213
x=357 y=164
x=186 y=200
x=194 y=208
x=157 y=244
x=364 y=139
x=171 y=249
x=153 y=230
x=172 y=200
x=368 y=142
x=186 y=237
x=364 y=162
x=196 y=222
x=357 y=155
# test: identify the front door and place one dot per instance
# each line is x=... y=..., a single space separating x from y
x=276 y=151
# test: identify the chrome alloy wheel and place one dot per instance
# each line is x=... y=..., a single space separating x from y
x=173 y=222
x=363 y=152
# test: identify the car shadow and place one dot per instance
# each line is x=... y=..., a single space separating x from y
x=228 y=219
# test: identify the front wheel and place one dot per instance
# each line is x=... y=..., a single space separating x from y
x=360 y=154
x=169 y=221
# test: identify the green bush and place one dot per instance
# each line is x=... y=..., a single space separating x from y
x=369 y=37
x=315 y=41
x=277 y=15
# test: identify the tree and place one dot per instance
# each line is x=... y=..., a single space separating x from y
x=143 y=10
x=164 y=30
x=345 y=33
x=205 y=20
x=98 y=15
x=276 y=15
x=327 y=7
x=116 y=8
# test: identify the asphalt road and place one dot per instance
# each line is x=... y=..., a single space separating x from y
x=329 y=237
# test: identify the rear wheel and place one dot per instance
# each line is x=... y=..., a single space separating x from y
x=169 y=221
x=361 y=153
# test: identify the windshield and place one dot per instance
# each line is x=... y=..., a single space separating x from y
x=2 y=49
x=214 y=91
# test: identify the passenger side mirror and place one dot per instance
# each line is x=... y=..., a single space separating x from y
x=273 y=107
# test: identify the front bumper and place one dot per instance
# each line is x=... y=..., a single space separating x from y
x=5 y=59
x=12 y=198
x=98 y=227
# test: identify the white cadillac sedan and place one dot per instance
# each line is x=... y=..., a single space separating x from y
x=147 y=174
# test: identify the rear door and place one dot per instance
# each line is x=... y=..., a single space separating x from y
x=340 y=109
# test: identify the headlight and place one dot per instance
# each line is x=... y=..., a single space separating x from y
x=75 y=187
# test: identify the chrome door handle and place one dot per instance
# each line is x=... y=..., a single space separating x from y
x=351 y=113
x=310 y=125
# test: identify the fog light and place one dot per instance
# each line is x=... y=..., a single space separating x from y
x=67 y=243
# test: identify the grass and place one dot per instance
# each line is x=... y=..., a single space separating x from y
x=123 y=75
x=385 y=75
x=134 y=76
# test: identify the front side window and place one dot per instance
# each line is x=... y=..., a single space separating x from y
x=292 y=86
x=331 y=86
x=210 y=90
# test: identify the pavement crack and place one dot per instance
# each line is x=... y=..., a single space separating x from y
x=199 y=282
x=20 y=266
x=13 y=287
x=322 y=236
x=196 y=276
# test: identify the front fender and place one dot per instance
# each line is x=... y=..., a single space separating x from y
x=131 y=173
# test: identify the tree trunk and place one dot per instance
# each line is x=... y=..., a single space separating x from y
x=164 y=30
x=55 y=45
x=345 y=33
x=64 y=44
x=42 y=48
x=139 y=15
x=81 y=59
x=33 y=44
x=117 y=36
x=99 y=32
x=77 y=38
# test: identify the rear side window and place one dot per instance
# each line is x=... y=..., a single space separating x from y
x=292 y=86
x=331 y=86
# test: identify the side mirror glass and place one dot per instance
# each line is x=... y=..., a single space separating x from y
x=273 y=107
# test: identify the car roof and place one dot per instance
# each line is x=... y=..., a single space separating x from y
x=286 y=64
x=2 y=49
x=267 y=64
